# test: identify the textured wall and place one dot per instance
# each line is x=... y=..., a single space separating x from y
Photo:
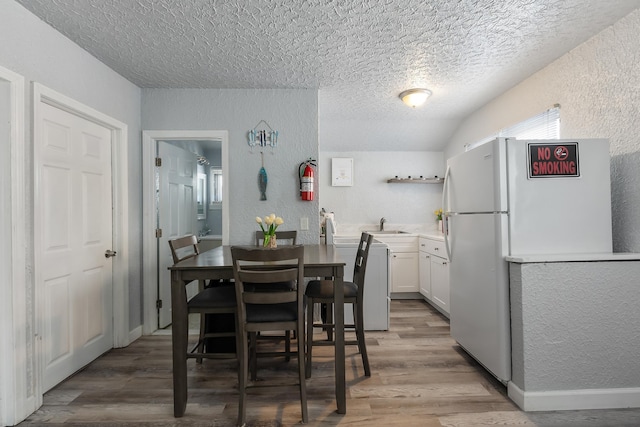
x=371 y=197
x=293 y=113
x=575 y=325
x=597 y=85
x=32 y=48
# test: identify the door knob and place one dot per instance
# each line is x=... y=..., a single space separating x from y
x=109 y=253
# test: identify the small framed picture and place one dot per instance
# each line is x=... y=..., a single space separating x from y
x=341 y=172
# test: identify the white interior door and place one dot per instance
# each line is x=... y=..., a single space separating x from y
x=73 y=229
x=176 y=214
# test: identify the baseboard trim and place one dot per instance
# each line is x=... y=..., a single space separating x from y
x=406 y=295
x=562 y=400
x=135 y=334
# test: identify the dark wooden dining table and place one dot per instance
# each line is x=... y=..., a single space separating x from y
x=319 y=261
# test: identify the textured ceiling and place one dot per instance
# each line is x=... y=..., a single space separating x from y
x=358 y=54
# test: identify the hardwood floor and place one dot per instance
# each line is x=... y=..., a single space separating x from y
x=420 y=377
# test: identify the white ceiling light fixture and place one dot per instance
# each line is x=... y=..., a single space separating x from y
x=415 y=97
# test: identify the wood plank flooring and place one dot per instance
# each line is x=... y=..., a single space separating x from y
x=420 y=377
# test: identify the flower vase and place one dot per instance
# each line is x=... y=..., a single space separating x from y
x=270 y=241
x=441 y=226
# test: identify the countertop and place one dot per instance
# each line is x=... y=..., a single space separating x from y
x=429 y=231
x=211 y=237
x=614 y=256
x=434 y=235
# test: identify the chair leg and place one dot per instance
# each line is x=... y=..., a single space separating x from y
x=301 y=370
x=287 y=345
x=359 y=324
x=200 y=347
x=309 y=336
x=329 y=320
x=243 y=373
x=253 y=355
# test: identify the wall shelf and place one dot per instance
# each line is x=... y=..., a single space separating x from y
x=434 y=180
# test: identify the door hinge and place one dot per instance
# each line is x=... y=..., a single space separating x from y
x=159 y=304
x=158 y=161
x=158 y=233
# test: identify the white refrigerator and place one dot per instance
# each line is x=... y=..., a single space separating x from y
x=517 y=197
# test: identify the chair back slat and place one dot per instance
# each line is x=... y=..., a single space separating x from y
x=184 y=248
x=269 y=297
x=267 y=276
x=360 y=265
x=290 y=236
x=279 y=254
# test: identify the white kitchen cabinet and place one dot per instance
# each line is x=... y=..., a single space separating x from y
x=424 y=270
x=440 y=283
x=434 y=273
x=403 y=271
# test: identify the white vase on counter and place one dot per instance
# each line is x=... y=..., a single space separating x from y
x=440 y=226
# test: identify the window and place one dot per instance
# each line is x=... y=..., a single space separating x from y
x=201 y=191
x=215 y=187
x=542 y=126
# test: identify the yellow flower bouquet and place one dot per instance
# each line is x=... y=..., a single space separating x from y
x=272 y=222
x=438 y=213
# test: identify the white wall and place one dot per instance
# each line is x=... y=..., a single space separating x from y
x=575 y=335
x=34 y=50
x=371 y=197
x=293 y=113
x=597 y=85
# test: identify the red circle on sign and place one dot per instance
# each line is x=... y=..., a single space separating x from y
x=561 y=153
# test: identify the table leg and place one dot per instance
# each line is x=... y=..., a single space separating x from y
x=179 y=337
x=338 y=295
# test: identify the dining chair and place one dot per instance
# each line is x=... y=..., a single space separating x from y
x=261 y=309
x=289 y=235
x=213 y=300
x=321 y=291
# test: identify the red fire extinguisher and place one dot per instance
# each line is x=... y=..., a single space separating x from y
x=306 y=173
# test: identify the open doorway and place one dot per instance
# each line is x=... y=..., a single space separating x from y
x=204 y=145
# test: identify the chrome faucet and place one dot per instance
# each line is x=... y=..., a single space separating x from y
x=382 y=221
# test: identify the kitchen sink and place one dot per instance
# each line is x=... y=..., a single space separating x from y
x=388 y=232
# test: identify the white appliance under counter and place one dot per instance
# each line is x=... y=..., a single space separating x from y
x=376 y=292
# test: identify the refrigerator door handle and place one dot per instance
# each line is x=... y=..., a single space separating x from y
x=445 y=210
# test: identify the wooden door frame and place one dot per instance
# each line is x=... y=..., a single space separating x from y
x=119 y=181
x=149 y=208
